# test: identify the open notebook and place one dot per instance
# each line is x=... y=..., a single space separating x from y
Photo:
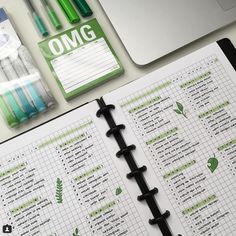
x=63 y=177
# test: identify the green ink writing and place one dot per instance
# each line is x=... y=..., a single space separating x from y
x=199 y=204
x=179 y=169
x=102 y=209
x=156 y=89
x=145 y=104
x=12 y=170
x=225 y=146
x=72 y=140
x=195 y=80
x=90 y=172
x=51 y=141
x=213 y=110
x=25 y=205
x=162 y=136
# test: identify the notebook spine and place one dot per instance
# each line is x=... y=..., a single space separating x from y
x=229 y=50
x=136 y=172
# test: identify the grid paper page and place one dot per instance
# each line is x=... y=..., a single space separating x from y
x=65 y=183
x=85 y=64
x=184 y=118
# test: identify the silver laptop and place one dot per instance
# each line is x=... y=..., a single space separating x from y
x=150 y=29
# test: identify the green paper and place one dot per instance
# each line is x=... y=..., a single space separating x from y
x=75 y=42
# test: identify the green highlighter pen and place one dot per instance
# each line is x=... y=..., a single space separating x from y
x=37 y=19
x=11 y=100
x=52 y=14
x=8 y=116
x=6 y=110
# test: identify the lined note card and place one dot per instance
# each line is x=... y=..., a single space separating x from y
x=81 y=58
x=84 y=65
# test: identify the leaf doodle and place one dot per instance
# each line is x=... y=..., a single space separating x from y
x=212 y=164
x=118 y=191
x=180 y=106
x=180 y=109
x=76 y=233
x=59 y=191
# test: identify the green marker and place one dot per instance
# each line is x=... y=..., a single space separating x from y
x=37 y=19
x=8 y=116
x=83 y=8
x=52 y=14
x=69 y=11
x=11 y=100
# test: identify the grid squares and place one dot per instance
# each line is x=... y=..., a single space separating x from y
x=194 y=131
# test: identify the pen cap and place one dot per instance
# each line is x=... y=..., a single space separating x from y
x=40 y=25
x=54 y=19
x=69 y=11
x=52 y=14
x=83 y=7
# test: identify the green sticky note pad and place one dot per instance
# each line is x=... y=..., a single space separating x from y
x=81 y=58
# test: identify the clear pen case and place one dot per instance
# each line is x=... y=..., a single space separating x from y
x=23 y=93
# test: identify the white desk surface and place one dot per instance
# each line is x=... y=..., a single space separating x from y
x=19 y=14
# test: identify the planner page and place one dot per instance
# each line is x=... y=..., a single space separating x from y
x=60 y=179
x=183 y=118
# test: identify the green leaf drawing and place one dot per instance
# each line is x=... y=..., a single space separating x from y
x=180 y=106
x=180 y=109
x=59 y=191
x=212 y=164
x=76 y=233
x=118 y=191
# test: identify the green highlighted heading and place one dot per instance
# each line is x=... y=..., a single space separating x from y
x=102 y=209
x=43 y=145
x=155 y=89
x=90 y=172
x=213 y=110
x=12 y=170
x=145 y=104
x=162 y=136
x=179 y=169
x=199 y=205
x=195 y=80
x=225 y=146
x=25 y=205
x=79 y=137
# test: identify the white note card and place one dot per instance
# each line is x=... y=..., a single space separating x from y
x=85 y=64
